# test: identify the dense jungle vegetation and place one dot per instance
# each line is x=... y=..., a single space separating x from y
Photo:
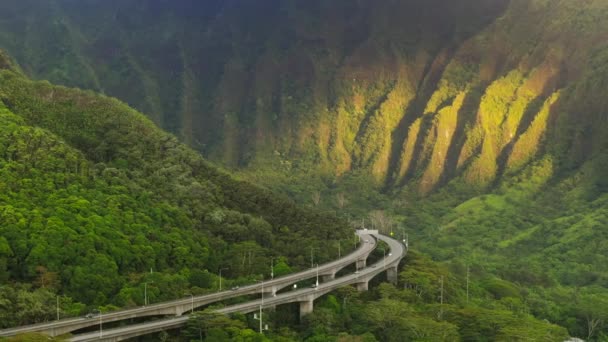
x=95 y=201
x=477 y=127
x=94 y=196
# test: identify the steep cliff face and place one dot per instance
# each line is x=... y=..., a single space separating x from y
x=415 y=93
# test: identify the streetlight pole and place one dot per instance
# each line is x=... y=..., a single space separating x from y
x=223 y=268
x=261 y=306
x=317 y=283
x=57 y=307
x=271 y=267
x=100 y=324
x=191 y=302
x=146 y=301
x=312 y=258
x=339 y=250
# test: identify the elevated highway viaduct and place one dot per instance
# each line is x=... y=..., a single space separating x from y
x=305 y=297
x=326 y=271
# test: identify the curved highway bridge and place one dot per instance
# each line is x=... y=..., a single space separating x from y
x=268 y=289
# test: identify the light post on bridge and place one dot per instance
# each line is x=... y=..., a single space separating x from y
x=317 y=283
x=57 y=307
x=191 y=302
x=404 y=238
x=223 y=268
x=271 y=267
x=312 y=256
x=260 y=318
x=100 y=322
x=146 y=292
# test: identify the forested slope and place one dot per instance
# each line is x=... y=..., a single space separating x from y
x=322 y=84
x=93 y=195
x=95 y=200
x=478 y=126
x=399 y=95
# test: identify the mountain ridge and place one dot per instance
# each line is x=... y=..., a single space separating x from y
x=354 y=88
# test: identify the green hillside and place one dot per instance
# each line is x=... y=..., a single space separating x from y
x=476 y=126
x=95 y=201
x=93 y=196
x=392 y=96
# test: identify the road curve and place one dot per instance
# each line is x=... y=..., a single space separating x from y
x=397 y=252
x=362 y=251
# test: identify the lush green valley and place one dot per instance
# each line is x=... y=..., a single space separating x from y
x=478 y=127
x=93 y=196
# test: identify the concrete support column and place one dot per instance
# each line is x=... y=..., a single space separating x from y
x=64 y=330
x=306 y=307
x=270 y=292
x=391 y=275
x=362 y=286
x=361 y=263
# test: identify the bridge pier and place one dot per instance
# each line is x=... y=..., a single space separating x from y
x=271 y=293
x=392 y=275
x=180 y=310
x=306 y=307
x=361 y=263
x=362 y=286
